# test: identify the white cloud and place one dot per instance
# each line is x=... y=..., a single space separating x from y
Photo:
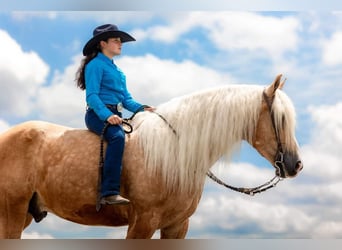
x=322 y=156
x=154 y=80
x=240 y=212
x=3 y=126
x=24 y=65
x=35 y=235
x=232 y=30
x=264 y=215
x=253 y=31
x=329 y=230
x=21 y=74
x=118 y=233
x=121 y=232
x=150 y=80
x=332 y=52
x=306 y=206
x=179 y=24
x=62 y=102
x=243 y=173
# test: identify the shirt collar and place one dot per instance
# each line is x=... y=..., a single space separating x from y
x=104 y=58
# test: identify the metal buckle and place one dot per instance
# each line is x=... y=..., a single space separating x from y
x=279 y=164
x=119 y=107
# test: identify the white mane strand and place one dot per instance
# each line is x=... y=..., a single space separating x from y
x=209 y=124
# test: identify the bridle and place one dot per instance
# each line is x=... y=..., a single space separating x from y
x=279 y=157
x=278 y=162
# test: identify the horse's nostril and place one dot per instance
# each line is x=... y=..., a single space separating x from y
x=299 y=166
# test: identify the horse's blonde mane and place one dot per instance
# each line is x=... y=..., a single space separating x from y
x=209 y=124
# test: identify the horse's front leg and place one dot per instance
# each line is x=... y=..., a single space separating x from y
x=13 y=219
x=175 y=231
x=141 y=226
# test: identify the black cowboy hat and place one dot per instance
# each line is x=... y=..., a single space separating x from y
x=104 y=32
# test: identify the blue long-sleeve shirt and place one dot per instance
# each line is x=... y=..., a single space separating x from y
x=106 y=84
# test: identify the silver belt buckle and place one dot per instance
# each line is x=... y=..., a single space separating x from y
x=119 y=107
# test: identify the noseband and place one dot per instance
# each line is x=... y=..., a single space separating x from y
x=279 y=157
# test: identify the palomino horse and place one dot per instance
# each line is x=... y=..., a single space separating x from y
x=54 y=168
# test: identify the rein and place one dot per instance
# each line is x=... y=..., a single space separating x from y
x=125 y=122
x=250 y=191
x=278 y=163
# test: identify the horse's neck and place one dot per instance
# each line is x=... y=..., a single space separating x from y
x=214 y=123
x=208 y=125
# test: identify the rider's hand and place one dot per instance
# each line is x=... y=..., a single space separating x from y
x=149 y=109
x=114 y=120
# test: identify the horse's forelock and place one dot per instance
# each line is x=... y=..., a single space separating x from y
x=285 y=119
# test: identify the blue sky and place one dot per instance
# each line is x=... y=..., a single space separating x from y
x=178 y=52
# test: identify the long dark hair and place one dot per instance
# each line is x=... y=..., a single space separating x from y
x=80 y=77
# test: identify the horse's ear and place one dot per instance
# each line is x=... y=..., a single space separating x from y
x=277 y=84
x=282 y=83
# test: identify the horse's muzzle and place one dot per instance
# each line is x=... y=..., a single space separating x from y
x=299 y=166
x=283 y=171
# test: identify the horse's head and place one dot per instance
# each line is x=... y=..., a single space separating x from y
x=274 y=136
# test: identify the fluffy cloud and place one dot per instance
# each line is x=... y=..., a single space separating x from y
x=61 y=101
x=332 y=53
x=150 y=80
x=305 y=207
x=249 y=215
x=35 y=235
x=3 y=126
x=270 y=213
x=154 y=80
x=322 y=156
x=21 y=75
x=232 y=30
